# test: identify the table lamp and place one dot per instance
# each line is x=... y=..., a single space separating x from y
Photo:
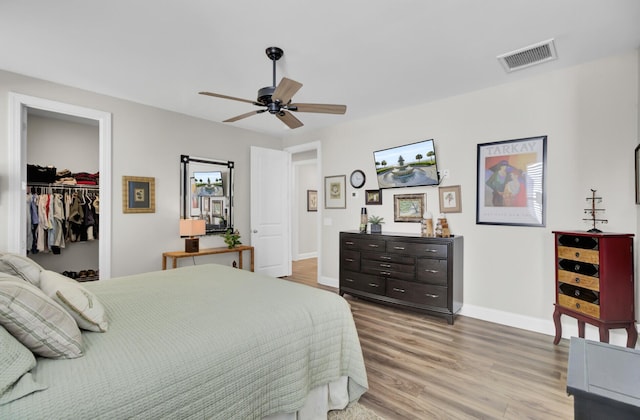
x=192 y=228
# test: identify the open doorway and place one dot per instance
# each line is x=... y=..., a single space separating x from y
x=19 y=107
x=305 y=221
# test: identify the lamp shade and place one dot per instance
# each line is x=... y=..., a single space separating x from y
x=192 y=227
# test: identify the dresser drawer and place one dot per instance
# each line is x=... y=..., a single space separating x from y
x=423 y=294
x=576 y=241
x=577 y=279
x=577 y=254
x=577 y=292
x=417 y=249
x=350 y=260
x=363 y=282
x=579 y=305
x=431 y=270
x=388 y=257
x=385 y=269
x=586 y=269
x=362 y=244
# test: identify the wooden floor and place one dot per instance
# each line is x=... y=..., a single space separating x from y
x=419 y=367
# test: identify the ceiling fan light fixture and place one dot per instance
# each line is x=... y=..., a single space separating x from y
x=277 y=98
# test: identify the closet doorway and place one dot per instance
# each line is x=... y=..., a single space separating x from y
x=21 y=108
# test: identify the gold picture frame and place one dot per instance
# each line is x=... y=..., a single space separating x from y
x=408 y=207
x=138 y=194
x=450 y=199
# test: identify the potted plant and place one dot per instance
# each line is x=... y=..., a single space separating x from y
x=376 y=223
x=232 y=238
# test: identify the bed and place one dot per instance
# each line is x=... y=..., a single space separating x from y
x=207 y=342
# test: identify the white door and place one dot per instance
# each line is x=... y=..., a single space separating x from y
x=270 y=211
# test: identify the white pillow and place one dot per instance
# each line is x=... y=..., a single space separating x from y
x=81 y=304
x=38 y=322
x=19 y=266
x=15 y=363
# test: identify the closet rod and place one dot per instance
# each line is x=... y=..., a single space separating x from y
x=76 y=186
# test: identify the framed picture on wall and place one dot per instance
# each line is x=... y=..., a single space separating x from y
x=373 y=197
x=138 y=194
x=408 y=207
x=335 y=193
x=511 y=182
x=312 y=200
x=450 y=199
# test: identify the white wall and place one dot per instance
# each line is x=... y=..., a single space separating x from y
x=590 y=116
x=306 y=232
x=147 y=141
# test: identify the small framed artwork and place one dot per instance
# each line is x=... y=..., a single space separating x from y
x=373 y=197
x=511 y=182
x=138 y=194
x=450 y=199
x=638 y=174
x=408 y=207
x=312 y=200
x=335 y=193
x=216 y=208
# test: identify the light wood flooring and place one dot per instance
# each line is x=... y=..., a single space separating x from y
x=419 y=367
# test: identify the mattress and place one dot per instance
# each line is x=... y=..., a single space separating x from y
x=205 y=341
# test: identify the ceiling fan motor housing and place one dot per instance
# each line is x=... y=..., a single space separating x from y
x=264 y=95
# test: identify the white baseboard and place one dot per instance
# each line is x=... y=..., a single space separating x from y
x=305 y=256
x=328 y=281
x=543 y=326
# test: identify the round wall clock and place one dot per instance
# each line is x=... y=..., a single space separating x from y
x=357 y=178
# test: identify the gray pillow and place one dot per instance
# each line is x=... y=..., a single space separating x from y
x=15 y=363
x=38 y=322
x=19 y=266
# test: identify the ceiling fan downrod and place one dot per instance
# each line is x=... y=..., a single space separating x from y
x=274 y=54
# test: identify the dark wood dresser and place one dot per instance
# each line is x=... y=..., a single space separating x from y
x=410 y=271
x=595 y=282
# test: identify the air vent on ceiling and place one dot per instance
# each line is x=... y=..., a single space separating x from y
x=528 y=56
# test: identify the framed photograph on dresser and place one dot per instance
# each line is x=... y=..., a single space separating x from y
x=511 y=182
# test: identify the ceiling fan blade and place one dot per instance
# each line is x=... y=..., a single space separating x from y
x=320 y=108
x=289 y=119
x=285 y=90
x=248 y=114
x=217 y=95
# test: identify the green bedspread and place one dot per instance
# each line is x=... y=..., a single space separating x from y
x=201 y=342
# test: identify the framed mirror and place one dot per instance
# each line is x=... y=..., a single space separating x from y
x=206 y=191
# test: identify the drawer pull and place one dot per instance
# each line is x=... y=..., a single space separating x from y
x=385 y=265
x=577 y=255
x=349 y=243
x=431 y=271
x=577 y=279
x=398 y=248
x=374 y=285
x=578 y=305
x=395 y=289
x=385 y=257
x=373 y=245
x=577 y=267
x=349 y=259
x=431 y=295
x=431 y=250
x=348 y=279
x=385 y=273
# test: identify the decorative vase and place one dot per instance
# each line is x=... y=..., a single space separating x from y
x=376 y=228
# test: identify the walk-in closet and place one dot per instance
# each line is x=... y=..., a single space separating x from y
x=63 y=193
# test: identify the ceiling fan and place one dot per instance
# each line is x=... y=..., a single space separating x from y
x=277 y=99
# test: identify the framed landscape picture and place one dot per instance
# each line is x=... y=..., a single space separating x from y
x=408 y=207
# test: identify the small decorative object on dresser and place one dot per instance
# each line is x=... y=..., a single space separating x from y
x=409 y=271
x=376 y=223
x=595 y=282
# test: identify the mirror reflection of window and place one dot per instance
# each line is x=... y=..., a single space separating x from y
x=207 y=192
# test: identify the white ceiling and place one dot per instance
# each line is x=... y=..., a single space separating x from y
x=372 y=55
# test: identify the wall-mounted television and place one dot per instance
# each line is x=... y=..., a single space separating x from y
x=410 y=165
